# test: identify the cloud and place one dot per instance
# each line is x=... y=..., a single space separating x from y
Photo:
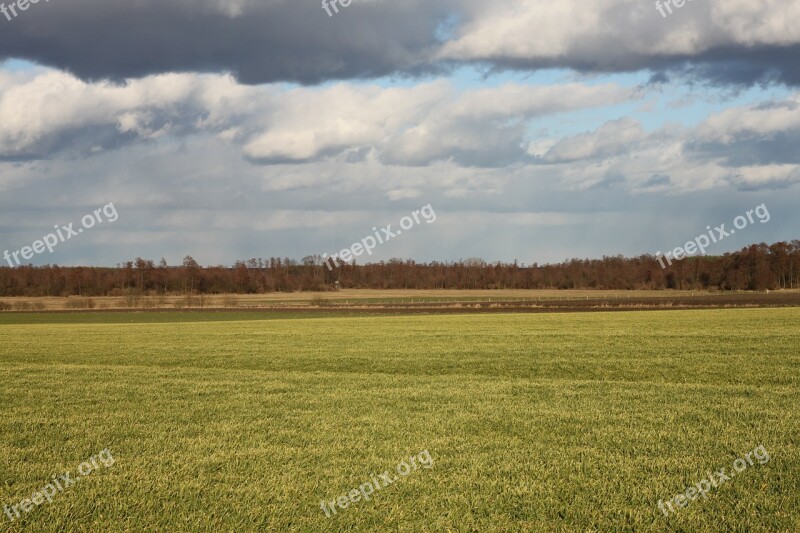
x=488 y=127
x=656 y=181
x=766 y=177
x=752 y=122
x=52 y=112
x=403 y=194
x=751 y=147
x=311 y=123
x=613 y=138
x=720 y=41
x=380 y=131
x=258 y=41
x=200 y=197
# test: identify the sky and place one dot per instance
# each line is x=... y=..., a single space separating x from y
x=536 y=130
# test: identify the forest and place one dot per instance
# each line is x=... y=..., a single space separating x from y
x=757 y=267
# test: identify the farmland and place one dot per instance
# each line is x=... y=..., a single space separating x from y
x=245 y=421
x=409 y=300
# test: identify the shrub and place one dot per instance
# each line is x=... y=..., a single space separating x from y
x=80 y=303
x=319 y=301
x=193 y=301
x=149 y=303
x=132 y=300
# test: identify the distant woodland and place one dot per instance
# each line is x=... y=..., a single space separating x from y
x=757 y=267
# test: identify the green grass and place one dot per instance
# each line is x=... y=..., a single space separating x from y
x=541 y=422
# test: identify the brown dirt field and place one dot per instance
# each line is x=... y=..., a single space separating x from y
x=407 y=301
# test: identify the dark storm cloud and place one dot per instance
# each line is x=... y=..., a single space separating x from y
x=267 y=42
x=744 y=66
x=731 y=65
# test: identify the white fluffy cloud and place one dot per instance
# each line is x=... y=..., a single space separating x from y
x=617 y=32
x=745 y=147
x=53 y=111
x=49 y=110
x=752 y=122
x=611 y=139
x=46 y=113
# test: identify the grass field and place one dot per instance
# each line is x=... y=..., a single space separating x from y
x=534 y=422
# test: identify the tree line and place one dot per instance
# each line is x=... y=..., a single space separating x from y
x=756 y=268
